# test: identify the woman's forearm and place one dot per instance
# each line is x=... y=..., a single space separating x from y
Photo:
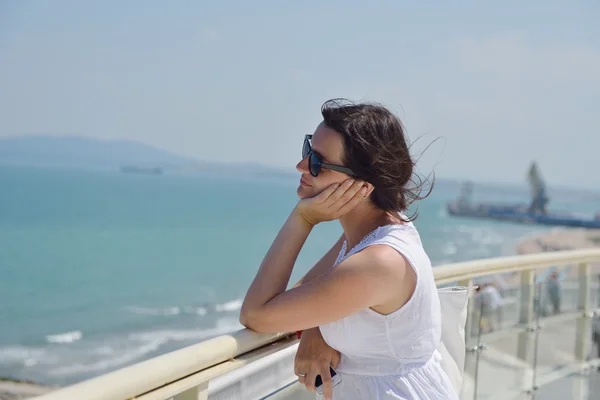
x=274 y=273
x=324 y=264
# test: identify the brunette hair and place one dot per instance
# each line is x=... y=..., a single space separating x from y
x=376 y=150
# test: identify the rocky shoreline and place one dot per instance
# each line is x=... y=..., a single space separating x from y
x=560 y=240
x=12 y=389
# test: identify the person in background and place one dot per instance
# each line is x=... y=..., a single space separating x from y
x=496 y=302
x=596 y=334
x=369 y=307
x=554 y=292
x=480 y=308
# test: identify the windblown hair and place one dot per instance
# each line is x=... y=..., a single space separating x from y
x=376 y=150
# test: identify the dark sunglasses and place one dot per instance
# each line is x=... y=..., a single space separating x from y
x=314 y=162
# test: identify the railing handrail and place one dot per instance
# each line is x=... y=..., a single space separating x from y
x=500 y=265
x=149 y=375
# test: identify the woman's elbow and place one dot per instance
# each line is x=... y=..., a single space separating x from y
x=246 y=321
x=254 y=321
x=253 y=325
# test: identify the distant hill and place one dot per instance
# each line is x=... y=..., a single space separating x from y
x=82 y=152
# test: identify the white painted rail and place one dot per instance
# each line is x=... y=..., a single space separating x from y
x=197 y=371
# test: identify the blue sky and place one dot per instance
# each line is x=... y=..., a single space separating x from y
x=243 y=81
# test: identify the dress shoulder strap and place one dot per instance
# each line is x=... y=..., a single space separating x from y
x=381 y=235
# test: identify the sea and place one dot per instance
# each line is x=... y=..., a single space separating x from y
x=101 y=269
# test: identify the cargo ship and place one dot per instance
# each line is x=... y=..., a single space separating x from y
x=132 y=169
x=536 y=212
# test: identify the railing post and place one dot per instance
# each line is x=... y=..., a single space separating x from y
x=469 y=325
x=470 y=365
x=582 y=338
x=526 y=315
x=525 y=339
x=195 y=393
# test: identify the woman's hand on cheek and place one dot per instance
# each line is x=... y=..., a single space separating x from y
x=370 y=189
x=333 y=202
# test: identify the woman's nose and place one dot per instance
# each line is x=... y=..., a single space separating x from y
x=302 y=166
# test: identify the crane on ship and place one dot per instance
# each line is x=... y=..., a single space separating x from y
x=534 y=212
x=539 y=197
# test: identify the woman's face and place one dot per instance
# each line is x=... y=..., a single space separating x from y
x=328 y=145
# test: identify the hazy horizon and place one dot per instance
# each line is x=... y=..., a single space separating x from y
x=502 y=84
x=256 y=167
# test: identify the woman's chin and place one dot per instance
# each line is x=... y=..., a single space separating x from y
x=303 y=192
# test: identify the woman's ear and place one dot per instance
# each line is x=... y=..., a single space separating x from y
x=370 y=188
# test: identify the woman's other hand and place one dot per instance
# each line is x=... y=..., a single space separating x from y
x=314 y=356
x=333 y=202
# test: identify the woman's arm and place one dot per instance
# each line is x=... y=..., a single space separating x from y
x=371 y=277
x=274 y=273
x=324 y=264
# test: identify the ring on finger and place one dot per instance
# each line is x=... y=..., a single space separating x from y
x=301 y=375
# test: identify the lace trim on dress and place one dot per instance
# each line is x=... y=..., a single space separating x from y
x=365 y=241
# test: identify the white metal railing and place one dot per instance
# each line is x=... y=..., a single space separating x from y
x=185 y=374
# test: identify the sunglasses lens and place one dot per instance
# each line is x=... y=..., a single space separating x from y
x=314 y=164
x=305 y=148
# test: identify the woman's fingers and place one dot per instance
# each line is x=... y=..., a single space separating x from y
x=310 y=378
x=358 y=196
x=343 y=194
x=338 y=193
x=352 y=197
x=352 y=191
x=327 y=193
x=300 y=369
x=302 y=379
x=335 y=359
x=333 y=202
x=326 y=378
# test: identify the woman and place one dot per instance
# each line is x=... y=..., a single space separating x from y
x=372 y=297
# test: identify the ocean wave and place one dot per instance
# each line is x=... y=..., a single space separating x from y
x=151 y=341
x=64 y=338
x=195 y=310
x=485 y=235
x=449 y=249
x=165 y=311
x=90 y=357
x=12 y=354
x=140 y=344
x=104 y=350
x=24 y=356
x=230 y=306
x=125 y=357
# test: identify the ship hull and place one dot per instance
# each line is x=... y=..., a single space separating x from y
x=519 y=215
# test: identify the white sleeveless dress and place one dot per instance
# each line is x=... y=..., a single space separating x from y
x=393 y=356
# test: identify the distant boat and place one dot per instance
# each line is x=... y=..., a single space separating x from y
x=535 y=212
x=132 y=169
